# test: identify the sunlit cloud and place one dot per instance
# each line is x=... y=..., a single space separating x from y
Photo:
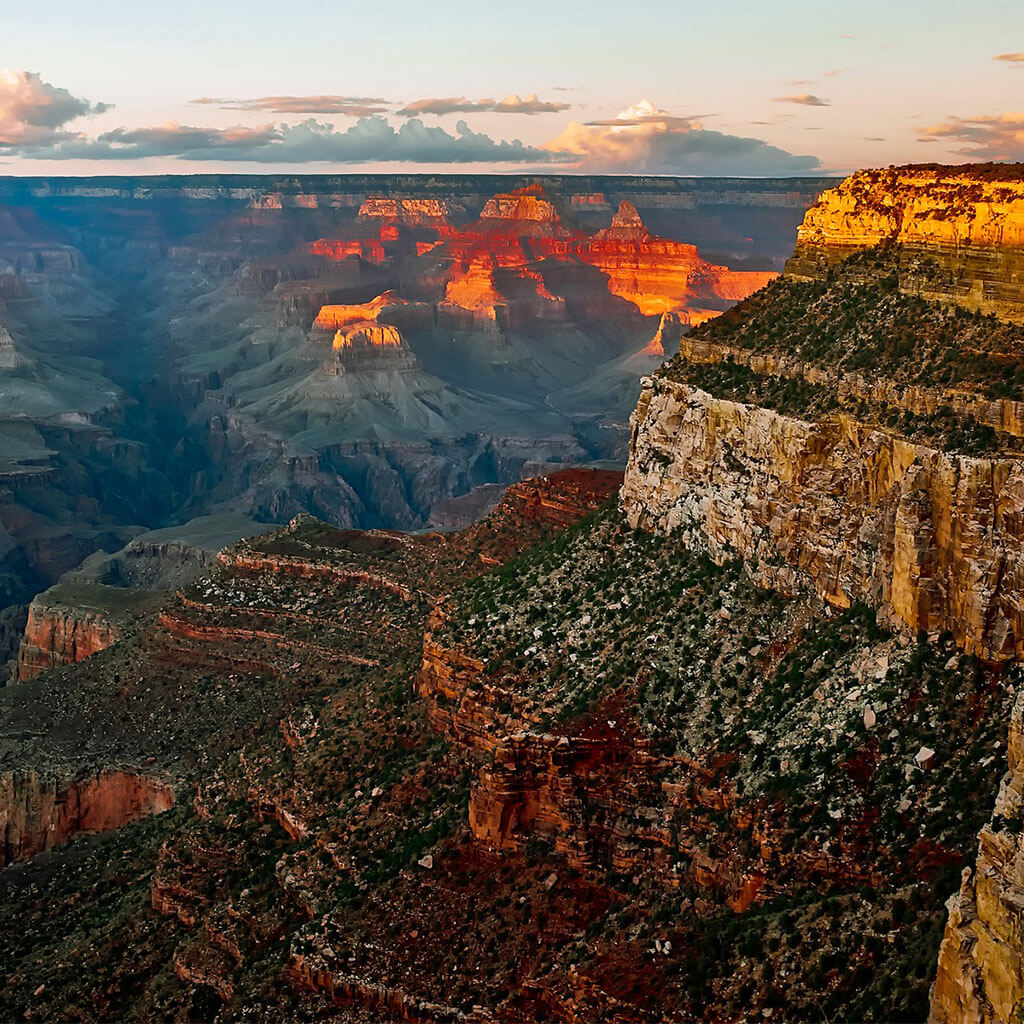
x=513 y=104
x=1011 y=58
x=348 y=106
x=33 y=112
x=646 y=139
x=805 y=99
x=986 y=137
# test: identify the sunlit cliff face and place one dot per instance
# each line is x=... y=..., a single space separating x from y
x=367 y=335
x=501 y=258
x=337 y=316
x=971 y=223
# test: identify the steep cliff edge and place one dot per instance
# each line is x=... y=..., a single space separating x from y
x=858 y=514
x=969 y=221
x=853 y=432
x=72 y=621
x=38 y=812
x=980 y=978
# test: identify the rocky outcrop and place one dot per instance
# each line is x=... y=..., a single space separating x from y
x=529 y=204
x=60 y=635
x=935 y=539
x=333 y=317
x=658 y=275
x=38 y=812
x=413 y=212
x=967 y=220
x=561 y=498
x=366 y=335
x=980 y=979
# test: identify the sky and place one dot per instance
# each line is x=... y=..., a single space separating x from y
x=746 y=87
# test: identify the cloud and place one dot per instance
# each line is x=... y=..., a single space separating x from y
x=369 y=140
x=645 y=139
x=349 y=106
x=645 y=112
x=513 y=104
x=1010 y=58
x=805 y=99
x=33 y=112
x=987 y=137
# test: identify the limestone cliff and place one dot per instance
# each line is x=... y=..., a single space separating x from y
x=980 y=980
x=968 y=220
x=855 y=512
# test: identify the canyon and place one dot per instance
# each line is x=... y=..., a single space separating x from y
x=732 y=732
x=363 y=348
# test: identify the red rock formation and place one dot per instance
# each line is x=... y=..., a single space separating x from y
x=658 y=275
x=61 y=636
x=332 y=317
x=369 y=249
x=37 y=813
x=492 y=268
x=561 y=498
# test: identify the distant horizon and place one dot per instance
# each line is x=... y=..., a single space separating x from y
x=154 y=175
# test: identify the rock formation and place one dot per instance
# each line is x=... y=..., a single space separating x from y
x=856 y=513
x=658 y=275
x=967 y=220
x=38 y=813
x=56 y=635
x=854 y=510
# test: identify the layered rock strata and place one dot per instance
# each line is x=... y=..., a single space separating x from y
x=859 y=514
x=56 y=635
x=968 y=220
x=38 y=812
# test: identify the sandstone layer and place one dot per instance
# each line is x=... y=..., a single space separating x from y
x=60 y=635
x=969 y=220
x=37 y=812
x=856 y=513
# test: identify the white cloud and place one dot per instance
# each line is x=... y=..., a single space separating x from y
x=646 y=139
x=33 y=112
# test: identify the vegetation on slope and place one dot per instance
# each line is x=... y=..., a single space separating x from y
x=773 y=693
